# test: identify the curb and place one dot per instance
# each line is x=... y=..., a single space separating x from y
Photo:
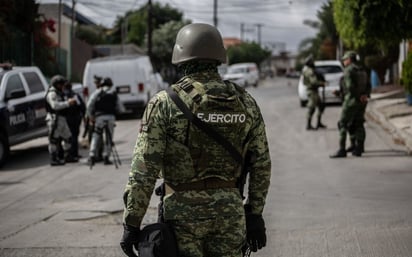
x=399 y=136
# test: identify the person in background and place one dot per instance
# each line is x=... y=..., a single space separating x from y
x=74 y=117
x=356 y=90
x=56 y=106
x=313 y=83
x=101 y=110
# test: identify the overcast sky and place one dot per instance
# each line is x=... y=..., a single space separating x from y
x=281 y=21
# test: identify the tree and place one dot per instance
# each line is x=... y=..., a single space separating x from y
x=135 y=22
x=163 y=41
x=376 y=22
x=93 y=35
x=374 y=28
x=247 y=52
x=324 y=44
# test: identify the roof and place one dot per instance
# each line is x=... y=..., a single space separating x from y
x=328 y=62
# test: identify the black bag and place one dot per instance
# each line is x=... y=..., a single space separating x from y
x=157 y=240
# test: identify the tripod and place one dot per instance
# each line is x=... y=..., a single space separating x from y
x=109 y=142
x=109 y=139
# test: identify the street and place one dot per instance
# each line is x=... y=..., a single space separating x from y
x=316 y=206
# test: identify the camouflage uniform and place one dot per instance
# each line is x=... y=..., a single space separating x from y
x=58 y=129
x=353 y=110
x=312 y=82
x=356 y=89
x=206 y=222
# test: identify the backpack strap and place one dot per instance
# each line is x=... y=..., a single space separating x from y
x=205 y=127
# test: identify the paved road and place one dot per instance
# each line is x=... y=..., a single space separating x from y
x=316 y=207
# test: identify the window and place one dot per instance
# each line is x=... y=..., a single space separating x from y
x=34 y=82
x=328 y=69
x=13 y=84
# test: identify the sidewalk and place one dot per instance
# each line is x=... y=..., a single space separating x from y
x=389 y=108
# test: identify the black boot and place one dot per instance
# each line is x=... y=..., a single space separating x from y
x=357 y=150
x=71 y=158
x=320 y=125
x=352 y=146
x=341 y=153
x=309 y=125
x=55 y=161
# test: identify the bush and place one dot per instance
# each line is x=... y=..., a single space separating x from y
x=407 y=73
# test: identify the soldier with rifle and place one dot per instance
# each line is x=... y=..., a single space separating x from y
x=356 y=90
x=313 y=80
x=178 y=141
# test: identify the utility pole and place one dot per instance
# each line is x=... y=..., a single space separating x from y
x=149 y=29
x=259 y=26
x=215 y=13
x=59 y=36
x=70 y=66
x=242 y=30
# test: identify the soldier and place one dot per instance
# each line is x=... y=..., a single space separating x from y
x=56 y=106
x=101 y=111
x=201 y=202
x=74 y=116
x=356 y=90
x=313 y=81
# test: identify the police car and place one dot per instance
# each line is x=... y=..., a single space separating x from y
x=22 y=106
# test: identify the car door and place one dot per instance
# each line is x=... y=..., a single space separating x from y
x=16 y=106
x=36 y=106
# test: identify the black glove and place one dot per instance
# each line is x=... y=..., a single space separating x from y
x=255 y=231
x=130 y=238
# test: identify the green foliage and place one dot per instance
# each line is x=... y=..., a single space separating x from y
x=407 y=73
x=247 y=52
x=163 y=40
x=93 y=35
x=136 y=22
x=323 y=45
x=376 y=22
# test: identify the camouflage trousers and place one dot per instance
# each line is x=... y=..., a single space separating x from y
x=314 y=102
x=221 y=236
x=359 y=133
x=58 y=129
x=351 y=121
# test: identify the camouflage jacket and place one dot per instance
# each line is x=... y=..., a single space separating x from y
x=165 y=149
x=310 y=79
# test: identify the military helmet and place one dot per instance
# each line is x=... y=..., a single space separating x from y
x=107 y=82
x=350 y=54
x=58 y=79
x=198 y=41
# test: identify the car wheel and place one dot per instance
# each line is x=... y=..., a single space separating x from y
x=303 y=103
x=256 y=84
x=4 y=149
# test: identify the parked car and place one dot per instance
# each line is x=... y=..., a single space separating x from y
x=132 y=75
x=22 y=107
x=332 y=71
x=243 y=74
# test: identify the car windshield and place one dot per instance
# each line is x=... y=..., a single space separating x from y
x=236 y=70
x=328 y=69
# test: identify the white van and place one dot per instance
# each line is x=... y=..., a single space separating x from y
x=132 y=76
x=243 y=74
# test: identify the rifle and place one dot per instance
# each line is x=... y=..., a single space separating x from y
x=86 y=127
